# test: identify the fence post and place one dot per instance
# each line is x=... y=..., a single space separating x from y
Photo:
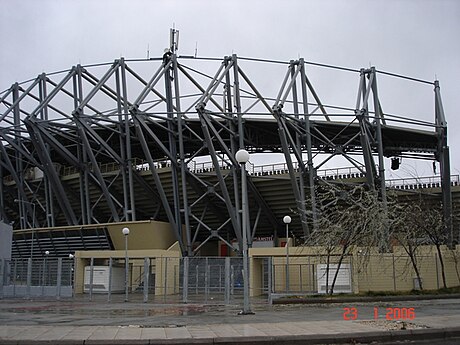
x=227 y=280
x=91 y=277
x=44 y=275
x=394 y=273
x=58 y=279
x=109 y=292
x=15 y=267
x=206 y=280
x=197 y=275
x=175 y=278
x=185 y=279
x=232 y=279
x=2 y=276
x=437 y=270
x=301 y=276
x=165 y=265
x=220 y=278
x=146 y=279
x=270 y=279
x=29 y=276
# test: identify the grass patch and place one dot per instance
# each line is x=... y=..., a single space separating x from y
x=452 y=290
x=442 y=291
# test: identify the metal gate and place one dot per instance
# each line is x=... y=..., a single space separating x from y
x=48 y=277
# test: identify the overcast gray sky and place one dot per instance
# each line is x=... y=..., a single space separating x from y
x=414 y=38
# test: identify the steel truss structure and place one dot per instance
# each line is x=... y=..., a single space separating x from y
x=83 y=147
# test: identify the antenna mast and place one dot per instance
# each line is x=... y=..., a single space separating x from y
x=174 y=40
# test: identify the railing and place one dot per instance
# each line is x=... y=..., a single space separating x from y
x=271 y=169
x=421 y=182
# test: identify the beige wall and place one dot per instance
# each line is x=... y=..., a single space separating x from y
x=164 y=264
x=142 y=235
x=370 y=271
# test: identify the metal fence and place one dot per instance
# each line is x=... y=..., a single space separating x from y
x=212 y=280
x=220 y=280
x=48 y=277
x=311 y=274
x=215 y=280
x=209 y=280
x=165 y=279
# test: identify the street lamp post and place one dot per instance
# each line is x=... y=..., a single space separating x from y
x=33 y=222
x=125 y=232
x=72 y=268
x=45 y=272
x=287 y=221
x=242 y=157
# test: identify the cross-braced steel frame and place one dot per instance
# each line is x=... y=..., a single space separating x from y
x=104 y=143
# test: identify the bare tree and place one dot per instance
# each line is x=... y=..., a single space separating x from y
x=436 y=233
x=421 y=222
x=349 y=215
x=455 y=255
x=409 y=232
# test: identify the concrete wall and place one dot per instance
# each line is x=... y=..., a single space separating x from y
x=370 y=270
x=6 y=238
x=142 y=235
x=163 y=264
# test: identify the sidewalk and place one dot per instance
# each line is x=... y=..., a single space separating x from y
x=314 y=332
x=52 y=322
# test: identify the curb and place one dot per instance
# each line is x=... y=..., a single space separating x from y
x=312 y=339
x=325 y=300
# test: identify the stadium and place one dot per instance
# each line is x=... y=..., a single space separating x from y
x=151 y=144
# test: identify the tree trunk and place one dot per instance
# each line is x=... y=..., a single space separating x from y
x=338 y=268
x=455 y=258
x=417 y=273
x=413 y=258
x=441 y=261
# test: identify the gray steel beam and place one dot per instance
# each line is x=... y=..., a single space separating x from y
x=362 y=115
x=85 y=101
x=383 y=189
x=123 y=140
x=183 y=164
x=18 y=156
x=85 y=202
x=236 y=141
x=295 y=68
x=164 y=200
x=49 y=169
x=443 y=157
x=205 y=125
x=49 y=199
x=149 y=87
x=300 y=203
x=172 y=130
x=378 y=125
x=310 y=167
x=199 y=87
x=50 y=96
x=21 y=194
x=82 y=130
x=16 y=98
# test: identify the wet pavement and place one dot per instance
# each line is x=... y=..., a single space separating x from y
x=81 y=321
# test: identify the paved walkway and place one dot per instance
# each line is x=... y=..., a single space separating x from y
x=83 y=322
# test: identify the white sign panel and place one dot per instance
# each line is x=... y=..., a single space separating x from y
x=343 y=282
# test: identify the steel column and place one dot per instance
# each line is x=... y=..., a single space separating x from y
x=444 y=159
x=385 y=245
x=311 y=169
